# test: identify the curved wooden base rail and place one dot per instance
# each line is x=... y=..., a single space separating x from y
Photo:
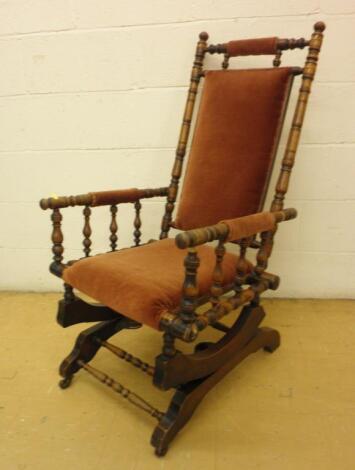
x=189 y=396
x=183 y=368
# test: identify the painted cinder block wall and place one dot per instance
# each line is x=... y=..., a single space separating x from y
x=91 y=98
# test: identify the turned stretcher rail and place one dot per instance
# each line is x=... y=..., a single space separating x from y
x=126 y=356
x=132 y=397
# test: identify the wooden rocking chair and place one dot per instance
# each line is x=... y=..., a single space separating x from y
x=162 y=283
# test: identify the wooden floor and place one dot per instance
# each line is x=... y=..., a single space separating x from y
x=294 y=409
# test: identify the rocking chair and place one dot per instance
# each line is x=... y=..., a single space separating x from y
x=163 y=283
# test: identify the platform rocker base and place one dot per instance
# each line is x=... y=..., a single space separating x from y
x=196 y=374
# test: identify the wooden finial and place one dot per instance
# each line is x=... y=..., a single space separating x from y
x=203 y=36
x=319 y=27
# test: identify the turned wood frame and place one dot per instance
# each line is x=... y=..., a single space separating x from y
x=193 y=375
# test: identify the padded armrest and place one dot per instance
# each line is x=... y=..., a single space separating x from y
x=102 y=198
x=234 y=229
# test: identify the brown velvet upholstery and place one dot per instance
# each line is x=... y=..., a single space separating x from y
x=104 y=198
x=143 y=282
x=252 y=47
x=232 y=152
x=249 y=225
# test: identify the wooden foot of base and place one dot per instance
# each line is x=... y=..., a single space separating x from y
x=65 y=383
x=160 y=452
x=273 y=339
x=86 y=345
x=190 y=395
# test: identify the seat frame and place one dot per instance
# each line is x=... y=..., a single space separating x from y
x=191 y=375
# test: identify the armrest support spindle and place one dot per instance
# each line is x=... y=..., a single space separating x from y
x=113 y=227
x=242 y=265
x=57 y=237
x=137 y=223
x=217 y=289
x=87 y=231
x=190 y=288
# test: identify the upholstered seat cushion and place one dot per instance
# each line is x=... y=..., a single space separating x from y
x=143 y=282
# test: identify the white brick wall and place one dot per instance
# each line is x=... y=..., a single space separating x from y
x=91 y=97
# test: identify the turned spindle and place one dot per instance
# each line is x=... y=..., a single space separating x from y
x=277 y=60
x=113 y=228
x=217 y=277
x=225 y=63
x=57 y=236
x=168 y=349
x=263 y=253
x=242 y=266
x=69 y=295
x=87 y=231
x=137 y=223
x=190 y=288
x=126 y=356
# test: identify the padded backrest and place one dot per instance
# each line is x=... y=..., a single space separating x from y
x=234 y=144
